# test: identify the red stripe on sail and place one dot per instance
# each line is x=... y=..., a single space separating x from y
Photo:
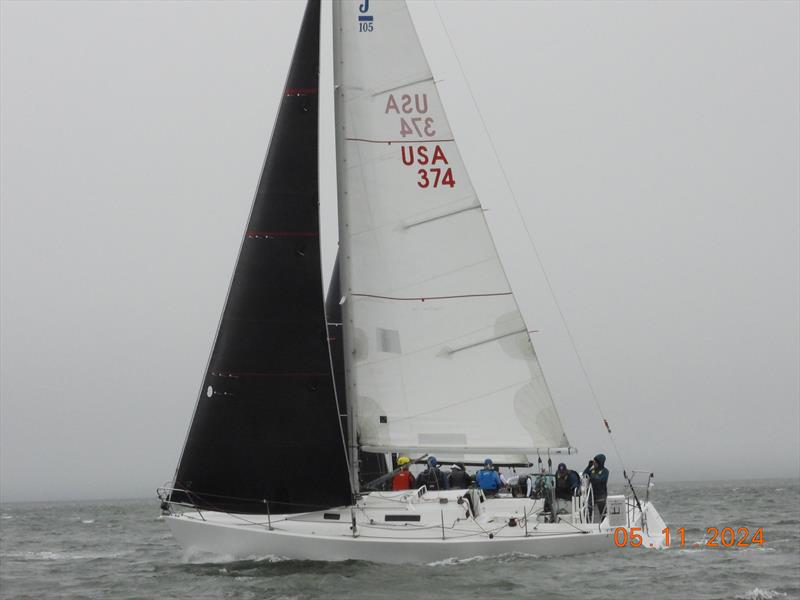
x=300 y=91
x=269 y=234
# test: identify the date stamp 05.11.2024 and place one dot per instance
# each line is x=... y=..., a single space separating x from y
x=727 y=537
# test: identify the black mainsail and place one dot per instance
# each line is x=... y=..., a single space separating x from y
x=265 y=436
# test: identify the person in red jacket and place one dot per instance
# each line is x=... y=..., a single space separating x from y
x=403 y=479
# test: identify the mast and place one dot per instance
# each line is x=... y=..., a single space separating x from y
x=342 y=283
x=370 y=466
x=266 y=417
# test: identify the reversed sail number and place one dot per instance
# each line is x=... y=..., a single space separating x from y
x=422 y=127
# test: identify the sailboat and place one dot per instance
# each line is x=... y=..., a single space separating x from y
x=421 y=348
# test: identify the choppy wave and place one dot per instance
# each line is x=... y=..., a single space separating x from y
x=50 y=555
x=129 y=552
x=759 y=594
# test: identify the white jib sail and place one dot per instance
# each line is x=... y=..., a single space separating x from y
x=438 y=356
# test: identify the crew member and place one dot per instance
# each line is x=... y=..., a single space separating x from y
x=598 y=477
x=567 y=482
x=403 y=479
x=567 y=485
x=459 y=479
x=432 y=477
x=488 y=479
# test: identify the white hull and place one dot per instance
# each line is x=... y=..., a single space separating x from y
x=442 y=532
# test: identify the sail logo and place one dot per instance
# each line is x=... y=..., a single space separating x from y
x=365 y=22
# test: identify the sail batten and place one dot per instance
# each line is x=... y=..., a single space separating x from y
x=438 y=355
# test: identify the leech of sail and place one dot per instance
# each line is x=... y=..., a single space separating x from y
x=424 y=298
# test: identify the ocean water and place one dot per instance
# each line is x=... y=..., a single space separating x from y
x=122 y=549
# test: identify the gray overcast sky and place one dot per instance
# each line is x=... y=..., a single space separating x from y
x=652 y=147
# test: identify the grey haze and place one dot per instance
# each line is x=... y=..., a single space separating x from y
x=652 y=148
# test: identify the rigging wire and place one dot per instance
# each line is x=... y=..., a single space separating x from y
x=530 y=240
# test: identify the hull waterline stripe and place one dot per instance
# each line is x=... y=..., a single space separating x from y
x=424 y=298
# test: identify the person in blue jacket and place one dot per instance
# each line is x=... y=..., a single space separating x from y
x=488 y=479
x=598 y=477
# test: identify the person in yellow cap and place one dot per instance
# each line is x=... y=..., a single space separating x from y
x=403 y=479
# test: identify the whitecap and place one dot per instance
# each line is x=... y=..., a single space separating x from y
x=272 y=558
x=456 y=561
x=87 y=521
x=201 y=557
x=506 y=557
x=759 y=594
x=6 y=516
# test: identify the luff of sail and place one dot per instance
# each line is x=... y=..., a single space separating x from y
x=267 y=414
x=438 y=356
x=371 y=466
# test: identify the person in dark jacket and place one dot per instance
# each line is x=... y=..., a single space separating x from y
x=432 y=477
x=598 y=477
x=459 y=479
x=567 y=482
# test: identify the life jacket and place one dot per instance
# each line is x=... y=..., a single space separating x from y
x=487 y=480
x=403 y=480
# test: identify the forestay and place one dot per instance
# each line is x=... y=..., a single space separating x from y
x=439 y=358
